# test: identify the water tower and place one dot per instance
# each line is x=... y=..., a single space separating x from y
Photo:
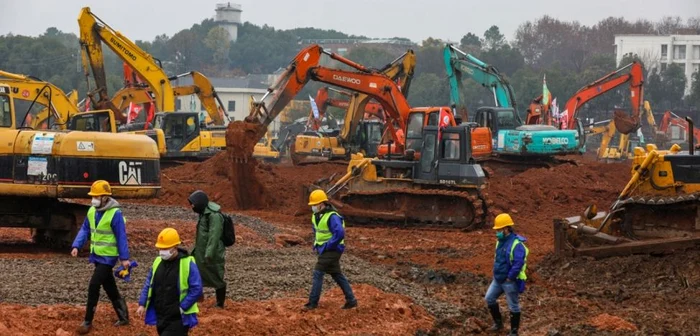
x=228 y=16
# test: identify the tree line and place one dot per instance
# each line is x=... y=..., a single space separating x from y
x=568 y=53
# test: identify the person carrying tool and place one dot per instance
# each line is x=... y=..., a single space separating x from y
x=329 y=243
x=173 y=285
x=104 y=225
x=508 y=273
x=209 y=250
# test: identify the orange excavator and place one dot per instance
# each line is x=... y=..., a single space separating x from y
x=323 y=101
x=539 y=113
x=426 y=176
x=674 y=129
x=624 y=124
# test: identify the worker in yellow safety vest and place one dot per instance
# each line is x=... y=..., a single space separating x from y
x=173 y=285
x=329 y=243
x=105 y=227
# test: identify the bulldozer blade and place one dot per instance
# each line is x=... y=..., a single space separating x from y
x=657 y=246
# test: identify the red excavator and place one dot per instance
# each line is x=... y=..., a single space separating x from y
x=623 y=123
x=426 y=176
x=674 y=130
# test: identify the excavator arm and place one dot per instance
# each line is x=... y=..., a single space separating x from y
x=93 y=32
x=304 y=68
x=207 y=95
x=57 y=103
x=458 y=64
x=635 y=78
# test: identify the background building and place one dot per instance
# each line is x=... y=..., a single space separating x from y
x=659 y=51
x=228 y=16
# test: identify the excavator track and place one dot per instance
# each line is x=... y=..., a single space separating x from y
x=462 y=209
x=661 y=216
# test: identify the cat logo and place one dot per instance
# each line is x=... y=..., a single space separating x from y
x=130 y=173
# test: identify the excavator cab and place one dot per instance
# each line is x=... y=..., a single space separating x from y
x=497 y=118
x=369 y=136
x=446 y=157
x=93 y=121
x=180 y=130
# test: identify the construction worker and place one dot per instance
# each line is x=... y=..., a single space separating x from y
x=209 y=250
x=105 y=227
x=173 y=285
x=508 y=273
x=329 y=243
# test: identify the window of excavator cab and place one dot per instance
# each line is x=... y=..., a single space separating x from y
x=191 y=125
x=22 y=111
x=428 y=154
x=5 y=112
x=415 y=125
x=506 y=120
x=433 y=118
x=450 y=146
x=98 y=122
x=375 y=133
x=158 y=123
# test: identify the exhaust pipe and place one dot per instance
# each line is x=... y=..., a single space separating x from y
x=691 y=136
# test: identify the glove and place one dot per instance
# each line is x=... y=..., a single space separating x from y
x=123 y=273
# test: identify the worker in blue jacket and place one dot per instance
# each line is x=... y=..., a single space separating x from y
x=173 y=285
x=329 y=243
x=105 y=227
x=508 y=273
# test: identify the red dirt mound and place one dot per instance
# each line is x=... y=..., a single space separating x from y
x=611 y=323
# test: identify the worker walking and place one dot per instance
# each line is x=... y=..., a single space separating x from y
x=209 y=250
x=173 y=285
x=105 y=227
x=508 y=273
x=329 y=243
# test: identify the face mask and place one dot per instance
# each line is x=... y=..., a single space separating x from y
x=165 y=254
x=500 y=235
x=315 y=208
x=96 y=202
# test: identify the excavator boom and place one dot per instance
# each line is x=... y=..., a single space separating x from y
x=635 y=78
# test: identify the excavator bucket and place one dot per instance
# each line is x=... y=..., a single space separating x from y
x=625 y=123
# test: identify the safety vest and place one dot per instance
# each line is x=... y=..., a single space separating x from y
x=522 y=275
x=103 y=242
x=323 y=234
x=184 y=284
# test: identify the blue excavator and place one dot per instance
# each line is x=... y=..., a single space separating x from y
x=513 y=140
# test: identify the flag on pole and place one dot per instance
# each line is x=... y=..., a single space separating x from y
x=555 y=109
x=545 y=92
x=314 y=108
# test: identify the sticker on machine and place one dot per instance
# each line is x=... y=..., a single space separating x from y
x=86 y=146
x=37 y=166
x=43 y=143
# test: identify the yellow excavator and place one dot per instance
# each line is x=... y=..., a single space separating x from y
x=356 y=135
x=622 y=151
x=47 y=104
x=179 y=135
x=40 y=168
x=658 y=210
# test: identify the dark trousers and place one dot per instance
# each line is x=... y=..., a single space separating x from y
x=329 y=262
x=101 y=277
x=172 y=328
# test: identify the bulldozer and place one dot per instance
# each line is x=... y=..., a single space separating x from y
x=656 y=212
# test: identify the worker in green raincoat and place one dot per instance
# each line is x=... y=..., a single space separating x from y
x=209 y=251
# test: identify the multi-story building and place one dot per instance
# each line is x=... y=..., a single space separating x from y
x=659 y=51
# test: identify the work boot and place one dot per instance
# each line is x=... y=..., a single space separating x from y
x=220 y=297
x=349 y=305
x=84 y=328
x=497 y=318
x=514 y=324
x=310 y=306
x=122 y=311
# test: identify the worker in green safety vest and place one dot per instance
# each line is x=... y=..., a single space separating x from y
x=509 y=274
x=329 y=243
x=105 y=227
x=173 y=285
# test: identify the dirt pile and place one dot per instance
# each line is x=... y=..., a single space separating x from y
x=612 y=323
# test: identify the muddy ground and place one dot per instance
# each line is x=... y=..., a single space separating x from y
x=408 y=281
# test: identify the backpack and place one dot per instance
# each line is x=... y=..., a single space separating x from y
x=228 y=235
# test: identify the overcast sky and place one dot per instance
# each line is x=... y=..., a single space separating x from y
x=415 y=19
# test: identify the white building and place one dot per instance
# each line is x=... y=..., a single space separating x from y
x=658 y=51
x=234 y=94
x=228 y=16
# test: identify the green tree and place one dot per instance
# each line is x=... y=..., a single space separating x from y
x=370 y=56
x=506 y=59
x=470 y=41
x=428 y=89
x=493 y=39
x=218 y=42
x=674 y=82
x=693 y=99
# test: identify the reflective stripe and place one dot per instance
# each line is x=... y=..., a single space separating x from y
x=99 y=243
x=183 y=282
x=522 y=275
x=105 y=232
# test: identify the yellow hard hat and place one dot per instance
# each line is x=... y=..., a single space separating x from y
x=502 y=221
x=168 y=238
x=100 y=188
x=317 y=196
